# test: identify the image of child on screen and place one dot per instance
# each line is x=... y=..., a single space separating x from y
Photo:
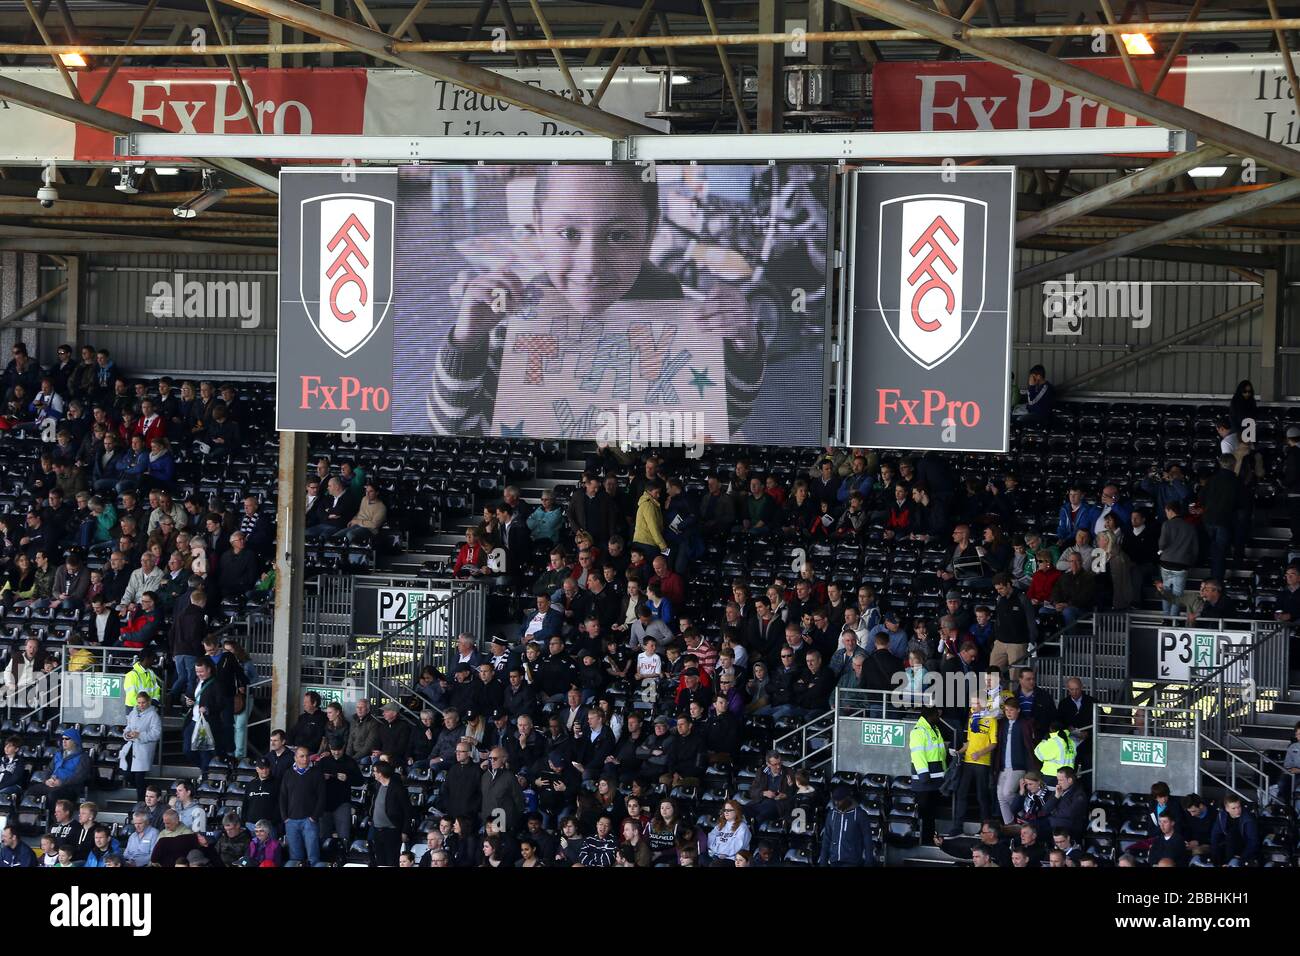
x=592 y=230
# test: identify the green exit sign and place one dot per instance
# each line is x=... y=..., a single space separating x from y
x=883 y=733
x=101 y=685
x=1143 y=752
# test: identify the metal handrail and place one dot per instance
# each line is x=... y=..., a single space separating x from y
x=1262 y=797
x=802 y=731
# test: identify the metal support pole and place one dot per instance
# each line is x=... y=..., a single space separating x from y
x=233 y=65
x=1102 y=196
x=771 y=76
x=286 y=647
x=39 y=23
x=72 y=303
x=727 y=73
x=1265 y=372
x=1161 y=232
x=117 y=60
x=540 y=14
x=638 y=27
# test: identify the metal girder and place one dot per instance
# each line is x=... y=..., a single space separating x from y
x=1159 y=233
x=30 y=307
x=1210 y=257
x=703 y=147
x=1215 y=321
x=1085 y=203
x=44 y=101
x=1126 y=99
x=142 y=244
x=443 y=67
x=136 y=29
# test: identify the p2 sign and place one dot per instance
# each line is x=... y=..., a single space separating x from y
x=929 y=362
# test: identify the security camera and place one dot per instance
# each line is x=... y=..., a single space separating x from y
x=47 y=195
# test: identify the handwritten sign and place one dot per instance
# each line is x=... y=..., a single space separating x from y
x=628 y=375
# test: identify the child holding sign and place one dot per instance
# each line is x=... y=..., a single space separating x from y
x=593 y=230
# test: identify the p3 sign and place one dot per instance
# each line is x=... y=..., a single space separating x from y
x=1181 y=651
x=930 y=305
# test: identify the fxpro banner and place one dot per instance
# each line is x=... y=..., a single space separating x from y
x=374 y=102
x=930 y=356
x=653 y=305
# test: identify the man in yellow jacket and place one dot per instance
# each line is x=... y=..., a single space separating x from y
x=648 y=535
x=141 y=677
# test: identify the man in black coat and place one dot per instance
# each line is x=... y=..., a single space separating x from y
x=394 y=735
x=1035 y=704
x=189 y=627
x=390 y=815
x=339 y=508
x=302 y=802
x=519 y=698
x=237 y=571
x=722 y=733
x=516 y=539
x=1074 y=713
x=1067 y=808
x=689 y=755
x=596 y=744
x=462 y=792
x=591 y=510
x=341 y=774
x=1221 y=503
x=881 y=667
x=309 y=731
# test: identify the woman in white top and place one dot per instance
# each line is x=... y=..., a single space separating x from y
x=730 y=836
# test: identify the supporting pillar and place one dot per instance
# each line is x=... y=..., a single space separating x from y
x=1264 y=368
x=771 y=75
x=72 y=303
x=286 y=648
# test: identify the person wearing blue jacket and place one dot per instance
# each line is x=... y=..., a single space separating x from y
x=104 y=475
x=1075 y=514
x=104 y=847
x=68 y=773
x=1234 y=841
x=859 y=480
x=13 y=851
x=132 y=467
x=846 y=835
x=160 y=466
x=547 y=522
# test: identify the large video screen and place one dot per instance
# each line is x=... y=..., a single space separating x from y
x=652 y=304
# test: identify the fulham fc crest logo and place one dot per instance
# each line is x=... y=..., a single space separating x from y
x=930 y=285
x=346 y=273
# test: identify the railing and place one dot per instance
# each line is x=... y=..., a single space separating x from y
x=1242 y=778
x=822 y=724
x=262 y=721
x=44 y=691
x=390 y=667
